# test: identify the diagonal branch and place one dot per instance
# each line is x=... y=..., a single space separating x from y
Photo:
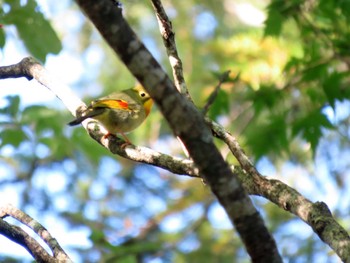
x=187 y=123
x=253 y=182
x=326 y=227
x=317 y=214
x=31 y=69
x=18 y=235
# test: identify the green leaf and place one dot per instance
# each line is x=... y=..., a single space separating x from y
x=35 y=113
x=270 y=137
x=2 y=38
x=278 y=13
x=13 y=106
x=58 y=150
x=344 y=6
x=273 y=23
x=125 y=259
x=137 y=247
x=265 y=98
x=310 y=127
x=315 y=72
x=332 y=88
x=97 y=236
x=293 y=63
x=221 y=104
x=12 y=137
x=35 y=31
x=315 y=94
x=44 y=120
x=93 y=151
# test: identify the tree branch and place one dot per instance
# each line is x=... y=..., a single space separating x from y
x=326 y=227
x=168 y=35
x=317 y=215
x=19 y=236
x=142 y=154
x=187 y=123
x=30 y=69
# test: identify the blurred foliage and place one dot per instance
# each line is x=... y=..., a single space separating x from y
x=286 y=100
x=33 y=28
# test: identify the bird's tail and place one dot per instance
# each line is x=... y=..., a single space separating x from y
x=90 y=113
x=77 y=121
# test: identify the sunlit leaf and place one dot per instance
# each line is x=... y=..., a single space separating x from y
x=12 y=137
x=42 y=118
x=35 y=31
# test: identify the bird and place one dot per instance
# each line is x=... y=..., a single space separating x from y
x=119 y=112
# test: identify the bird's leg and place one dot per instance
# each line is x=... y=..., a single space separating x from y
x=123 y=146
x=127 y=141
x=104 y=137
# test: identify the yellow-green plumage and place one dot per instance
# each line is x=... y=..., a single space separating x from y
x=119 y=112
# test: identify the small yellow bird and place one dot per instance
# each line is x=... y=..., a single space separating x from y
x=119 y=112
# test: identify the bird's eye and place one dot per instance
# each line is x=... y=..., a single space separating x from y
x=142 y=94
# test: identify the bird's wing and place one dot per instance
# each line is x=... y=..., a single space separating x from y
x=111 y=103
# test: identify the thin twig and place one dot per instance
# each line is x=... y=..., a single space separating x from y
x=168 y=35
x=18 y=235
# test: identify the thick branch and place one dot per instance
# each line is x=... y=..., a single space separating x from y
x=325 y=226
x=188 y=124
x=317 y=215
x=17 y=70
x=142 y=154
